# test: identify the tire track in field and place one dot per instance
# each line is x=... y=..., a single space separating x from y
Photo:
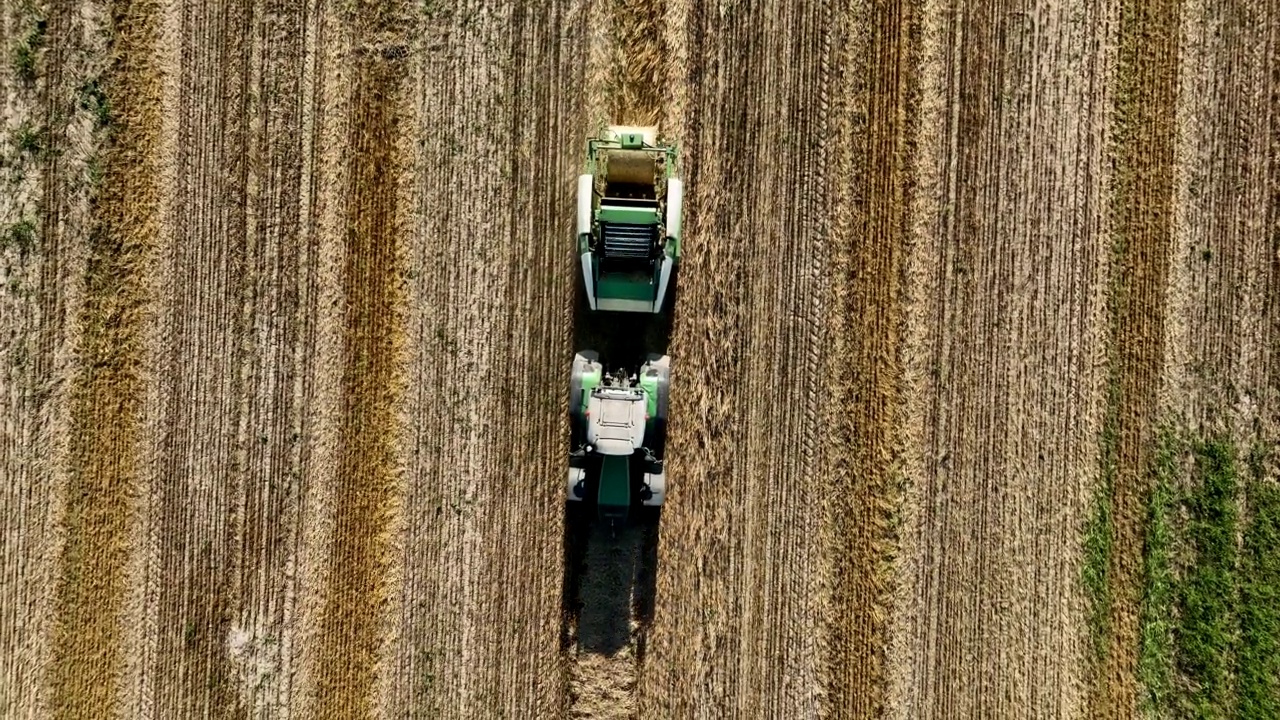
x=872 y=193
x=40 y=291
x=278 y=339
x=193 y=528
x=736 y=618
x=1003 y=403
x=85 y=667
x=1146 y=86
x=1271 y=307
x=362 y=555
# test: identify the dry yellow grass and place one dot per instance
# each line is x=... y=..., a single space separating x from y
x=103 y=478
x=861 y=494
x=368 y=482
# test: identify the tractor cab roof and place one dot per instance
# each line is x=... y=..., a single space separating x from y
x=616 y=420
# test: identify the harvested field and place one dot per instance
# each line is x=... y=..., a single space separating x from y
x=975 y=359
x=1006 y=334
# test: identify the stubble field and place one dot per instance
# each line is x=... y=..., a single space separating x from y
x=976 y=360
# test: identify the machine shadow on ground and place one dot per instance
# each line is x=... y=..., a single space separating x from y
x=621 y=339
x=610 y=581
x=610 y=575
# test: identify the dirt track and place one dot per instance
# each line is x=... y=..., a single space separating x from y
x=286 y=341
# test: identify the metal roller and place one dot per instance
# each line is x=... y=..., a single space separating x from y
x=632 y=167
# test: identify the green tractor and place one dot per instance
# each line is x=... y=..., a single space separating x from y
x=629 y=204
x=618 y=427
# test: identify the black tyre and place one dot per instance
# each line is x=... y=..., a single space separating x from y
x=656 y=431
x=577 y=421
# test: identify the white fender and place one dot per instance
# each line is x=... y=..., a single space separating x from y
x=664 y=277
x=675 y=205
x=584 y=204
x=575 y=476
x=658 y=486
x=584 y=228
x=588 y=280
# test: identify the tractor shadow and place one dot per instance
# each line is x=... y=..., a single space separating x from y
x=610 y=582
x=621 y=339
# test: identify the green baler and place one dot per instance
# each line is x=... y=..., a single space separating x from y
x=629 y=205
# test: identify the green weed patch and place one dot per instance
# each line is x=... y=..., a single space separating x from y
x=1098 y=540
x=1207 y=595
x=1259 y=656
x=1156 y=652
